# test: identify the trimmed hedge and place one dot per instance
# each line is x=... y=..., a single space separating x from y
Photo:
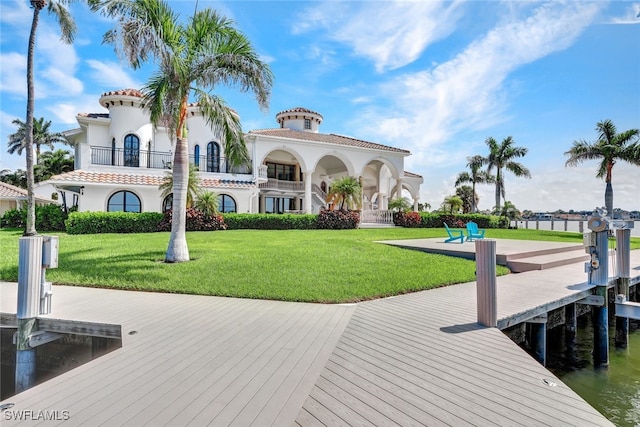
x=48 y=218
x=245 y=221
x=196 y=221
x=113 y=222
x=338 y=220
x=437 y=220
x=407 y=219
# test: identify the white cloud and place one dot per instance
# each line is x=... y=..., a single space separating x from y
x=12 y=76
x=630 y=16
x=111 y=75
x=391 y=34
x=66 y=111
x=468 y=93
x=552 y=187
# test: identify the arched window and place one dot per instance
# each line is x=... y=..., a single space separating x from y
x=131 y=151
x=213 y=157
x=124 y=201
x=196 y=156
x=167 y=203
x=226 y=204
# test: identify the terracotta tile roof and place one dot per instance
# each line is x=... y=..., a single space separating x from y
x=80 y=177
x=124 y=92
x=95 y=115
x=8 y=191
x=326 y=138
x=299 y=110
x=412 y=175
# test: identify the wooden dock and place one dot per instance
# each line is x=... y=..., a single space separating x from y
x=416 y=359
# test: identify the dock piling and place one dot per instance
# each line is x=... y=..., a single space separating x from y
x=623 y=246
x=486 y=282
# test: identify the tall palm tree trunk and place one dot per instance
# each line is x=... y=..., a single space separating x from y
x=473 y=195
x=178 y=251
x=608 y=199
x=608 y=192
x=30 y=229
x=498 y=194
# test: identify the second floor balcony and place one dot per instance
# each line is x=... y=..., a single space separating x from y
x=161 y=160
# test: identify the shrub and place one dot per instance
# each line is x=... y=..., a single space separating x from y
x=407 y=219
x=112 y=222
x=338 y=220
x=437 y=220
x=48 y=218
x=239 y=221
x=196 y=221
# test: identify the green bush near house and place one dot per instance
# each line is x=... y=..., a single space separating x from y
x=48 y=218
x=338 y=220
x=112 y=222
x=196 y=220
x=248 y=221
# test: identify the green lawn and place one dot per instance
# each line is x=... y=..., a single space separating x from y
x=310 y=265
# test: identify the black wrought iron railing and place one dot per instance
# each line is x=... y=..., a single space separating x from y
x=161 y=160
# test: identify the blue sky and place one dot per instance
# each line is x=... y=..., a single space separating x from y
x=433 y=77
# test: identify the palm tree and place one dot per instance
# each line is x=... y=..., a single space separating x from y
x=208 y=203
x=346 y=192
x=453 y=204
x=477 y=176
x=17 y=178
x=510 y=211
x=193 y=185
x=41 y=136
x=193 y=58
x=54 y=163
x=68 y=30
x=469 y=198
x=501 y=156
x=400 y=205
x=609 y=147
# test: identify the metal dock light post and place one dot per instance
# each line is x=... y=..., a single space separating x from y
x=486 y=282
x=597 y=245
x=35 y=254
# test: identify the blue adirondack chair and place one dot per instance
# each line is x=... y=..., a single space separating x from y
x=454 y=235
x=473 y=232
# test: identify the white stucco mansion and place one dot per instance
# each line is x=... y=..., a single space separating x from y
x=121 y=159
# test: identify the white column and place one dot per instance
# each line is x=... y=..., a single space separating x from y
x=399 y=189
x=307 y=191
x=415 y=204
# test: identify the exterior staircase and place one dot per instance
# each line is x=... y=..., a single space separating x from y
x=545 y=258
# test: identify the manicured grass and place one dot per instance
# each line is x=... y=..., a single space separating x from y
x=297 y=265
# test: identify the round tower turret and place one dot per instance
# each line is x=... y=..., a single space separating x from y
x=300 y=119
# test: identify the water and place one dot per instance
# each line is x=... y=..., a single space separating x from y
x=558 y=225
x=614 y=391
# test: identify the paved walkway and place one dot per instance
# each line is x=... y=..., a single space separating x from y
x=416 y=359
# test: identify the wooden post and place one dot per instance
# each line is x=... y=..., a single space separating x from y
x=486 y=282
x=565 y=225
x=552 y=224
x=600 y=277
x=538 y=337
x=29 y=280
x=581 y=226
x=570 y=332
x=623 y=257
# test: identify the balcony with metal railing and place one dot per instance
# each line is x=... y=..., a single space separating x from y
x=120 y=157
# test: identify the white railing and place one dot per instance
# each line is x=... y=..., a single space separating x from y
x=262 y=171
x=276 y=184
x=376 y=217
